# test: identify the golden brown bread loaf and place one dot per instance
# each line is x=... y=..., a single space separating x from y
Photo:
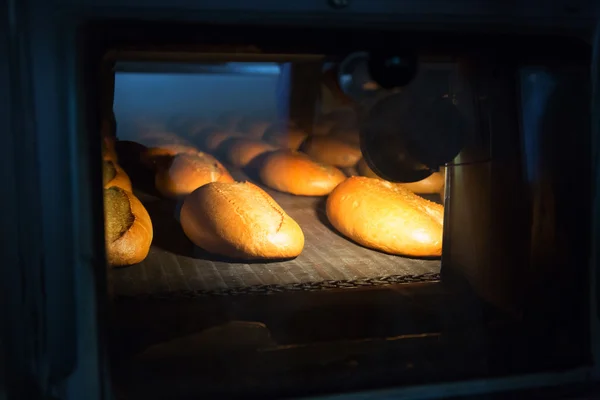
x=287 y=136
x=349 y=135
x=296 y=173
x=332 y=151
x=240 y=152
x=386 y=217
x=184 y=173
x=162 y=139
x=128 y=229
x=213 y=140
x=253 y=128
x=229 y=121
x=240 y=220
x=109 y=152
x=114 y=175
x=153 y=157
x=434 y=183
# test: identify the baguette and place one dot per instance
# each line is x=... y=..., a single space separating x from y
x=386 y=217
x=240 y=220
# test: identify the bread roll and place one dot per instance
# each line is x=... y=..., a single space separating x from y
x=296 y=173
x=386 y=217
x=331 y=151
x=286 y=136
x=240 y=152
x=143 y=125
x=154 y=156
x=128 y=229
x=114 y=175
x=348 y=135
x=434 y=183
x=322 y=128
x=184 y=173
x=213 y=139
x=240 y=220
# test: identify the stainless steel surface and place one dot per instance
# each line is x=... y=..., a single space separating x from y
x=176 y=265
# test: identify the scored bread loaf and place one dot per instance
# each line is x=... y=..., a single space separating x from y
x=240 y=151
x=212 y=140
x=332 y=151
x=433 y=184
x=253 y=128
x=287 y=136
x=127 y=228
x=386 y=217
x=153 y=157
x=184 y=173
x=296 y=173
x=240 y=220
x=346 y=134
x=109 y=152
x=114 y=175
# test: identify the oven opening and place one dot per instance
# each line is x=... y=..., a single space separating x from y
x=285 y=210
x=313 y=215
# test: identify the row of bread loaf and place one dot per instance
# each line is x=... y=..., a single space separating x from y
x=241 y=220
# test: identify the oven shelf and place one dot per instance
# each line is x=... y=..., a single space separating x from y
x=175 y=267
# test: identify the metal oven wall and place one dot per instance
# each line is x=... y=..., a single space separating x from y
x=518 y=225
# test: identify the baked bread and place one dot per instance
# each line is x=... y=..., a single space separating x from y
x=162 y=139
x=240 y=152
x=184 y=173
x=331 y=151
x=240 y=220
x=212 y=140
x=296 y=173
x=127 y=226
x=434 y=183
x=114 y=175
x=348 y=135
x=153 y=157
x=287 y=136
x=386 y=217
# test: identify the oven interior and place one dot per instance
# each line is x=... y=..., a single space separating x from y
x=340 y=316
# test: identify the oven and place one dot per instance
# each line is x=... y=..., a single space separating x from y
x=299 y=200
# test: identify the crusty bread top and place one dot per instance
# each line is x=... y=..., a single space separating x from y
x=109 y=171
x=387 y=217
x=294 y=172
x=118 y=214
x=240 y=220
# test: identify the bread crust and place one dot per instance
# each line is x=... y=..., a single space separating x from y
x=286 y=136
x=386 y=217
x=296 y=173
x=332 y=151
x=240 y=220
